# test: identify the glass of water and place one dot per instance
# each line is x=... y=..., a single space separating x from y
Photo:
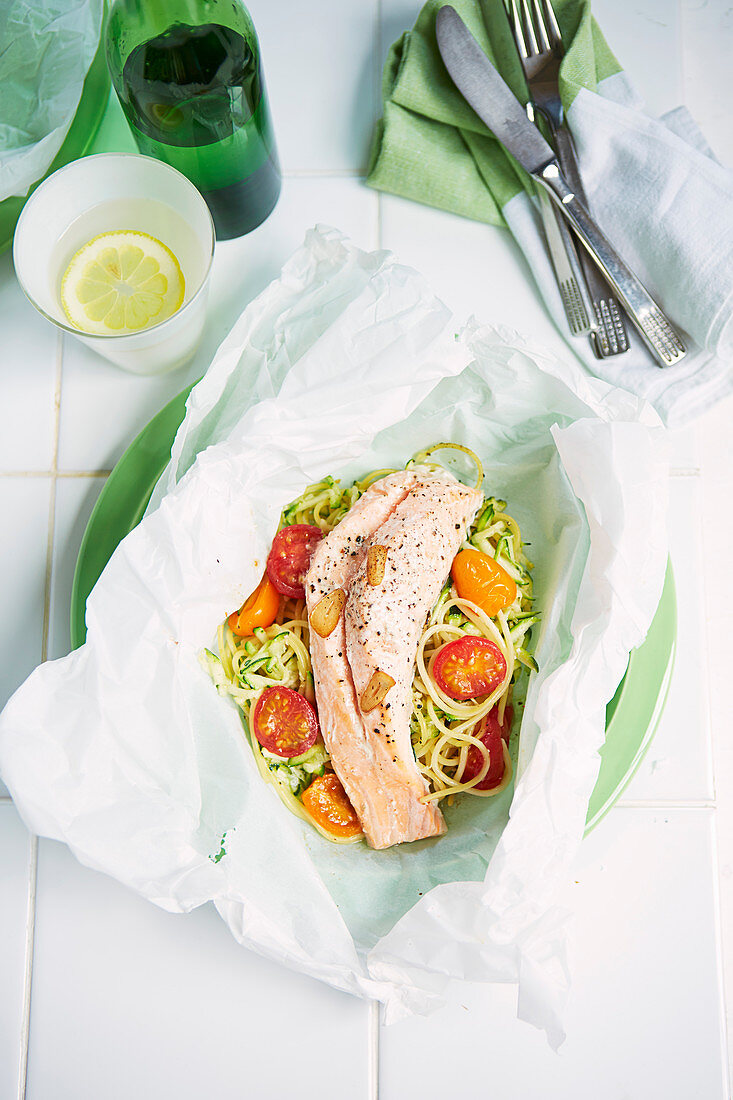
x=107 y=193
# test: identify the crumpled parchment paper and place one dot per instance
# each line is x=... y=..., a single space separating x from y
x=46 y=48
x=125 y=751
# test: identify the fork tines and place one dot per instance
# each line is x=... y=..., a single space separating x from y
x=529 y=29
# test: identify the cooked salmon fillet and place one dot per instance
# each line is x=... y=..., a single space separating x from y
x=384 y=623
x=421 y=519
x=334 y=564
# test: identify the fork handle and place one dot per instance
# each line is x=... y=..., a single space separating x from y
x=654 y=327
x=566 y=264
x=611 y=337
x=568 y=160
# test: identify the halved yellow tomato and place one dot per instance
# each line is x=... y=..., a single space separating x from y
x=259 y=609
x=328 y=804
x=483 y=581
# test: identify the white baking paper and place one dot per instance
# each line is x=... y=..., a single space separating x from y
x=46 y=49
x=125 y=751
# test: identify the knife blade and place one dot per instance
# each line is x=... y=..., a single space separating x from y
x=485 y=90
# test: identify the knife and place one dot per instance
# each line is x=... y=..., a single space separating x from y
x=483 y=88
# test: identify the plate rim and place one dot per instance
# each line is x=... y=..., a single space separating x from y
x=79 y=595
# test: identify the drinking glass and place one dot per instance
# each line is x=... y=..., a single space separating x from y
x=114 y=191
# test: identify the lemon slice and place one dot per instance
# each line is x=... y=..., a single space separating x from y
x=121 y=282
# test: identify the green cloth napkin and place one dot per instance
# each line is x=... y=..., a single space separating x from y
x=431 y=146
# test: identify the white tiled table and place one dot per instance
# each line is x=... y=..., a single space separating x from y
x=102 y=996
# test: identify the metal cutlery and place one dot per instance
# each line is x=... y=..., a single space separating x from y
x=567 y=267
x=484 y=89
x=539 y=45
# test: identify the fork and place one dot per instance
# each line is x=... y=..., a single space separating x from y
x=538 y=41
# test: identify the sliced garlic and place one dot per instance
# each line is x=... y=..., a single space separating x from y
x=375 y=691
x=376 y=562
x=325 y=615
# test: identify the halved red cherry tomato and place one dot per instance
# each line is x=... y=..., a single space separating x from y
x=481 y=580
x=284 y=722
x=327 y=803
x=469 y=667
x=492 y=734
x=259 y=609
x=290 y=556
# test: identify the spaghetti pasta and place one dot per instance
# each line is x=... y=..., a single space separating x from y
x=444 y=731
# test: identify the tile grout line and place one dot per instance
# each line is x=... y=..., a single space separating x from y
x=52 y=504
x=720 y=945
x=722 y=942
x=664 y=804
x=30 y=934
x=55 y=473
x=379 y=220
x=681 y=67
x=33 y=860
x=82 y=473
x=706 y=639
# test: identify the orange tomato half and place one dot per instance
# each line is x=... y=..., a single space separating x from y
x=481 y=580
x=259 y=609
x=327 y=803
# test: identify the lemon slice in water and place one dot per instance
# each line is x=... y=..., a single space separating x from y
x=121 y=282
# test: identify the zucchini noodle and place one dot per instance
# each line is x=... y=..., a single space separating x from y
x=445 y=732
x=420 y=458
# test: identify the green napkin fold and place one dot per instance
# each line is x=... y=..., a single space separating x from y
x=431 y=146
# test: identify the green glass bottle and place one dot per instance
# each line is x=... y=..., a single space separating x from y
x=189 y=77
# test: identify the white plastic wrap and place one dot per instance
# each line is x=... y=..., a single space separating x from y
x=125 y=751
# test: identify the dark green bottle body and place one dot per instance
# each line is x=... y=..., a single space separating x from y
x=194 y=97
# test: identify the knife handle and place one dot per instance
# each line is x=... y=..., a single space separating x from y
x=654 y=327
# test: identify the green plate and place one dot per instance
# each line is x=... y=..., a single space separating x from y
x=78 y=141
x=632 y=715
x=121 y=505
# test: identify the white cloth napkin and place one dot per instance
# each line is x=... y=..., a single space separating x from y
x=658 y=192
